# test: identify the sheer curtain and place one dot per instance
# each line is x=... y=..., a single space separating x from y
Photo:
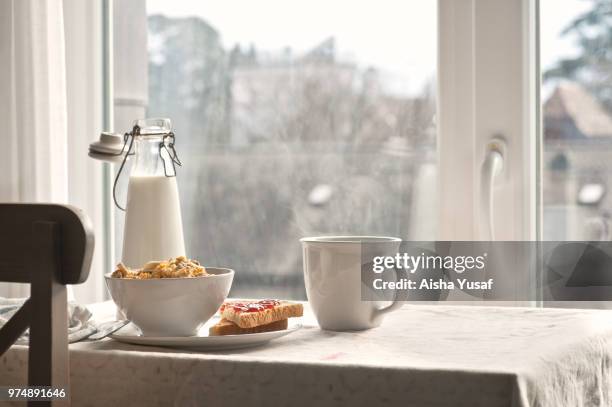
x=50 y=111
x=33 y=112
x=33 y=91
x=83 y=32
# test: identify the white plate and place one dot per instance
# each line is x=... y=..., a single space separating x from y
x=131 y=334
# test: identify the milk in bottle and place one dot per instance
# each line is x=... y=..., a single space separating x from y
x=153 y=224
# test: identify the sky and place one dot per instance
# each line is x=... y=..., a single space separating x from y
x=396 y=36
x=555 y=16
x=371 y=33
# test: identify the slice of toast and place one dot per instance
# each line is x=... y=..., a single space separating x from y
x=225 y=327
x=249 y=319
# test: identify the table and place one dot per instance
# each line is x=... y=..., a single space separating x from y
x=422 y=355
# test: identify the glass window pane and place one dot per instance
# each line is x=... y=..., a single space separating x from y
x=296 y=119
x=577 y=118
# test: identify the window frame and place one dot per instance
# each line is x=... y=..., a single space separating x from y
x=125 y=95
x=481 y=57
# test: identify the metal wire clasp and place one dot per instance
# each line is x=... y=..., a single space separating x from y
x=168 y=145
x=127 y=138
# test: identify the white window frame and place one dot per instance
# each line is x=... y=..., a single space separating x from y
x=125 y=94
x=488 y=81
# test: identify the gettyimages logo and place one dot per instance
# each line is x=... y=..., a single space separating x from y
x=412 y=264
x=428 y=270
x=497 y=271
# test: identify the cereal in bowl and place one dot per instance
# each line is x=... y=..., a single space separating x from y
x=176 y=267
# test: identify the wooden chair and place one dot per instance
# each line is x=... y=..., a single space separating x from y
x=47 y=246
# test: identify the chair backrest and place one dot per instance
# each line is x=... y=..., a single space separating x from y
x=20 y=240
x=47 y=246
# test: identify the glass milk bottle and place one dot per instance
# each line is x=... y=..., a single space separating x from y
x=153 y=225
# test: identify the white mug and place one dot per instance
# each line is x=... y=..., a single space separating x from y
x=332 y=274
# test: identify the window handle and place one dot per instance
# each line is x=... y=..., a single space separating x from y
x=492 y=167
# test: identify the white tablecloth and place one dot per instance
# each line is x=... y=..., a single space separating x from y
x=422 y=355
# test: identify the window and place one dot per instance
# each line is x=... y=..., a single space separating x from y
x=295 y=119
x=577 y=118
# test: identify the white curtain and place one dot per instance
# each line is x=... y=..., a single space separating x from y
x=83 y=39
x=33 y=109
x=50 y=110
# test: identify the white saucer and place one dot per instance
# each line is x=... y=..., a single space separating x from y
x=131 y=334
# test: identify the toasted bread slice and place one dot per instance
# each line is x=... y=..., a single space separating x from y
x=225 y=327
x=250 y=319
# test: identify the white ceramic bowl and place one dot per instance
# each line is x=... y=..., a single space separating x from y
x=171 y=306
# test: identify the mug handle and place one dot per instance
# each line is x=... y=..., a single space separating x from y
x=397 y=302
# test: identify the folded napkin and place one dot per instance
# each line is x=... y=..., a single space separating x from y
x=80 y=324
